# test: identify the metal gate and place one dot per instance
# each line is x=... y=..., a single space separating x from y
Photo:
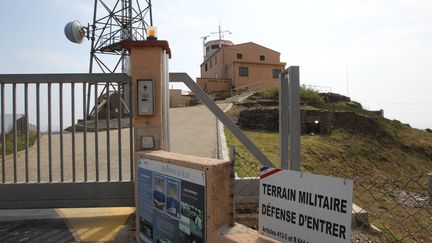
x=54 y=152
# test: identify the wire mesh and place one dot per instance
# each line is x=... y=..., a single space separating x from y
x=386 y=210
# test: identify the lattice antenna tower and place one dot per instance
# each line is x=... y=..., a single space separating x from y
x=114 y=21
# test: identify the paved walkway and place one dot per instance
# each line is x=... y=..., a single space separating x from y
x=193 y=131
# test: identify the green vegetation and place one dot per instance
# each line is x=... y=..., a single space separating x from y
x=268 y=93
x=20 y=141
x=308 y=96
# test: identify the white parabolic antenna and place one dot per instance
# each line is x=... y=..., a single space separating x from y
x=74 y=31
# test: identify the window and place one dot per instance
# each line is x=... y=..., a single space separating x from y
x=243 y=71
x=205 y=67
x=239 y=56
x=276 y=73
x=214 y=47
x=262 y=58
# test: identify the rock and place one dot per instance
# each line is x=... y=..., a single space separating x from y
x=334 y=98
x=354 y=104
x=428 y=130
x=406 y=124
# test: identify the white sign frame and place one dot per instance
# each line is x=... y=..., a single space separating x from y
x=303 y=207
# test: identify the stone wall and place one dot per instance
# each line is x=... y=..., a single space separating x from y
x=267 y=118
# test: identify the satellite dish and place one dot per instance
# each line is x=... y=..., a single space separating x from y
x=74 y=31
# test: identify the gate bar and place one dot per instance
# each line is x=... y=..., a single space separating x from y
x=26 y=132
x=85 y=130
x=131 y=135
x=108 y=118
x=14 y=133
x=49 y=135
x=61 y=132
x=73 y=130
x=96 y=127
x=38 y=130
x=64 y=78
x=3 y=132
x=119 y=121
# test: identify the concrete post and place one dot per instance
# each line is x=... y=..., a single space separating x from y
x=148 y=62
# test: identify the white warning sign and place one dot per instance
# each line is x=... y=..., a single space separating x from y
x=302 y=207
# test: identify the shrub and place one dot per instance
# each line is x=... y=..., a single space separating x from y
x=310 y=97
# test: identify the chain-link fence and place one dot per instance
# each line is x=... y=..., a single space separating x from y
x=396 y=209
x=384 y=210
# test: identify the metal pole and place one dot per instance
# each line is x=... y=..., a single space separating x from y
x=92 y=51
x=151 y=14
x=232 y=194
x=283 y=119
x=294 y=117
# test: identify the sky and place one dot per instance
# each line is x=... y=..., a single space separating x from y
x=379 y=52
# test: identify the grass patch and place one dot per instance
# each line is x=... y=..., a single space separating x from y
x=21 y=142
x=269 y=93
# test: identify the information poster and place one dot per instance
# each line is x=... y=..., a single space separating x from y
x=171 y=203
x=307 y=208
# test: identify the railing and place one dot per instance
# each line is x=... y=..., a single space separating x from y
x=250 y=87
x=65 y=149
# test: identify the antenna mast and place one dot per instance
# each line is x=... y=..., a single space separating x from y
x=221 y=32
x=113 y=22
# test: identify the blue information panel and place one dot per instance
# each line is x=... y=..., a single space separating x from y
x=171 y=203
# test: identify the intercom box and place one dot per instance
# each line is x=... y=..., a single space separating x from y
x=145 y=97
